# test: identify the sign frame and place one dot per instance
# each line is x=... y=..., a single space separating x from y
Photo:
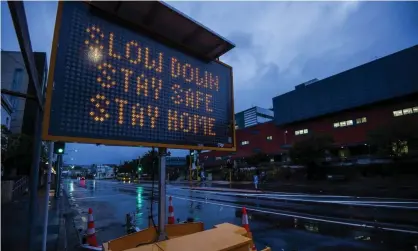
x=49 y=90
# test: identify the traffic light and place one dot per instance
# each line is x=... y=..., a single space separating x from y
x=59 y=147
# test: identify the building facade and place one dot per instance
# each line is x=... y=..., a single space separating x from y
x=14 y=77
x=104 y=172
x=347 y=106
x=253 y=116
x=386 y=78
x=6 y=111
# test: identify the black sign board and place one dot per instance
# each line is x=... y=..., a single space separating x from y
x=111 y=85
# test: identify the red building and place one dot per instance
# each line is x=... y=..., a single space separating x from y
x=346 y=106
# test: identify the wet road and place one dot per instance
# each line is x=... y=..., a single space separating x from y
x=282 y=221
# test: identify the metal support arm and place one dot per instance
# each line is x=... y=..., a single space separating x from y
x=162 y=153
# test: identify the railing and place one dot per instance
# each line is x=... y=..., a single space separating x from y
x=20 y=187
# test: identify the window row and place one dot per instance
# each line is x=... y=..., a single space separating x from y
x=300 y=132
x=247 y=142
x=350 y=122
x=405 y=111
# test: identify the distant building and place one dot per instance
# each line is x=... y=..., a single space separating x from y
x=14 y=77
x=104 y=172
x=346 y=106
x=253 y=116
x=175 y=161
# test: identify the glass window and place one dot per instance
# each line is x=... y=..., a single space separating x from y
x=269 y=137
x=336 y=125
x=349 y=122
x=305 y=131
x=407 y=111
x=44 y=81
x=343 y=123
x=12 y=66
x=415 y=109
x=397 y=113
x=296 y=132
x=246 y=142
x=364 y=120
x=16 y=86
x=358 y=121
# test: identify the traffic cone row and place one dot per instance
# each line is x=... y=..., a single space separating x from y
x=91 y=232
x=246 y=225
x=170 y=211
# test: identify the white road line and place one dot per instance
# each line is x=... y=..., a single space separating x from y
x=378 y=203
x=302 y=217
x=97 y=197
x=289 y=215
x=286 y=198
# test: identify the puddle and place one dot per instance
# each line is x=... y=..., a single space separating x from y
x=376 y=237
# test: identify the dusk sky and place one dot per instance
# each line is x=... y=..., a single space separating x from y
x=278 y=45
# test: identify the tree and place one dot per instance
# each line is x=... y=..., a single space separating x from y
x=395 y=138
x=17 y=151
x=149 y=162
x=257 y=159
x=44 y=152
x=312 y=149
x=5 y=134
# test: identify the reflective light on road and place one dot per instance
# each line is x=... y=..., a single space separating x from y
x=139 y=206
x=71 y=187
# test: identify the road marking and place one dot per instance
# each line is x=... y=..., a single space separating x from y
x=98 y=197
x=282 y=197
x=274 y=213
x=302 y=217
x=286 y=198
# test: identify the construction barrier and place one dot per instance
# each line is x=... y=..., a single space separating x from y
x=170 y=219
x=189 y=235
x=91 y=232
x=149 y=235
x=246 y=225
x=178 y=230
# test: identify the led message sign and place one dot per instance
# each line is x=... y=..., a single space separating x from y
x=111 y=85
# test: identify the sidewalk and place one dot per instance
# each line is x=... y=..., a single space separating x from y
x=15 y=223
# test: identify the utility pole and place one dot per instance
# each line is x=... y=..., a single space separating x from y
x=58 y=176
x=48 y=187
x=162 y=153
x=34 y=93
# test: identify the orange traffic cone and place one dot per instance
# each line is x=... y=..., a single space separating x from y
x=246 y=225
x=91 y=232
x=170 y=211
